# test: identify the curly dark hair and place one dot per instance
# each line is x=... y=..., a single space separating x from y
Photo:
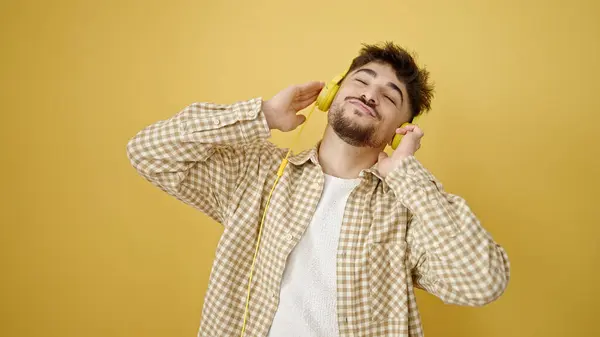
x=420 y=91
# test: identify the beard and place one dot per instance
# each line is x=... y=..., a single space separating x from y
x=351 y=132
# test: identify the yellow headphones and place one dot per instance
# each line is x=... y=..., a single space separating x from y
x=323 y=102
x=329 y=91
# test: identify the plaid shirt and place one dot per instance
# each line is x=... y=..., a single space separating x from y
x=399 y=232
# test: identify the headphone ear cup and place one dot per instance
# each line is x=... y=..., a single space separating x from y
x=396 y=141
x=328 y=93
x=398 y=137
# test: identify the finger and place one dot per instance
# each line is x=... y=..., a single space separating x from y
x=307 y=99
x=313 y=96
x=301 y=104
x=401 y=131
x=414 y=130
x=310 y=88
x=410 y=127
x=308 y=95
x=300 y=119
x=418 y=132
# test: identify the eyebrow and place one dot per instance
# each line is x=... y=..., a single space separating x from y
x=389 y=84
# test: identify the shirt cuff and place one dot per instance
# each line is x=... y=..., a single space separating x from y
x=255 y=125
x=240 y=122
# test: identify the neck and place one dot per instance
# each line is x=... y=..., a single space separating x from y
x=342 y=160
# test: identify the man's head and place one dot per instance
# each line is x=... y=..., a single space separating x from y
x=383 y=89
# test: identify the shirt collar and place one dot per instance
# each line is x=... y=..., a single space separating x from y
x=312 y=155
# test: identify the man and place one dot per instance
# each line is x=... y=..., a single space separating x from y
x=349 y=231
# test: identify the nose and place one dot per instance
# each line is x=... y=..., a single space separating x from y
x=370 y=97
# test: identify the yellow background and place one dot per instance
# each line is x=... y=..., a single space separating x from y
x=90 y=249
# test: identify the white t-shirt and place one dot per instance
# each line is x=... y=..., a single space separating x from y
x=307 y=305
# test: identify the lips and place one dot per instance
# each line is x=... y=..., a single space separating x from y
x=364 y=108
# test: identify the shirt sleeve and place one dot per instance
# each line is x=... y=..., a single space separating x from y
x=198 y=155
x=451 y=255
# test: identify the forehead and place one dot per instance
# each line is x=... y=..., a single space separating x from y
x=384 y=72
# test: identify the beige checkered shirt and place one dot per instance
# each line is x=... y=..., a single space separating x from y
x=399 y=232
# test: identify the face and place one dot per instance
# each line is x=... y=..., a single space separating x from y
x=370 y=104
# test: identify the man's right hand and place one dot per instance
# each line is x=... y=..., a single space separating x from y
x=281 y=111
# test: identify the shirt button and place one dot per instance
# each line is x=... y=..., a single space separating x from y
x=289 y=237
x=410 y=171
x=434 y=202
x=216 y=121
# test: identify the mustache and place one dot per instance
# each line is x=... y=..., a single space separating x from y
x=370 y=105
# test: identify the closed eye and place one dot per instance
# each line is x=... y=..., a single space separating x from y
x=361 y=81
x=390 y=99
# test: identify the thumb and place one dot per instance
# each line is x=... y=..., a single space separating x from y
x=382 y=156
x=300 y=119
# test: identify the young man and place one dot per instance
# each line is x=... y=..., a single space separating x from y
x=349 y=231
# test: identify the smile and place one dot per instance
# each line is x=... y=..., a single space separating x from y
x=364 y=108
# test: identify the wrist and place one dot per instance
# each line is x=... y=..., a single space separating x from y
x=269 y=114
x=400 y=156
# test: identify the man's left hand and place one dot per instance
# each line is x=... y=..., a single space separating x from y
x=410 y=143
